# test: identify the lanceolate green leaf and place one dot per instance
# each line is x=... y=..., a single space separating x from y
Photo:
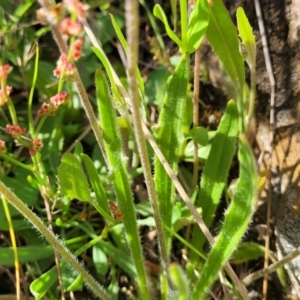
x=216 y=171
x=125 y=47
x=101 y=55
x=159 y=13
x=25 y=254
x=101 y=203
x=222 y=35
x=237 y=218
x=169 y=136
x=249 y=52
x=198 y=22
x=71 y=178
x=117 y=166
x=246 y=34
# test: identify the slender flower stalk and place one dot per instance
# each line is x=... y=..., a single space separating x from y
x=132 y=32
x=59 y=39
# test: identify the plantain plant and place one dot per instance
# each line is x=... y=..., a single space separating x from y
x=108 y=220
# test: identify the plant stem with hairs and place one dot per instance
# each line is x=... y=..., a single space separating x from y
x=132 y=32
x=52 y=239
x=58 y=37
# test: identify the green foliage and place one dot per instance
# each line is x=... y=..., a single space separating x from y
x=246 y=34
x=222 y=36
x=169 y=136
x=116 y=163
x=71 y=178
x=78 y=190
x=215 y=171
x=237 y=218
x=199 y=134
x=26 y=254
x=193 y=32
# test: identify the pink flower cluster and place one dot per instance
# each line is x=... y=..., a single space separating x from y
x=14 y=130
x=77 y=8
x=77 y=48
x=5 y=89
x=63 y=66
x=35 y=146
x=49 y=109
x=71 y=28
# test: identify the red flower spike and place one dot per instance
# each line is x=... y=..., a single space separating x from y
x=35 y=146
x=14 y=130
x=118 y=215
x=2 y=146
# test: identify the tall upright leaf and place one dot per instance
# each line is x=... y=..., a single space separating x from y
x=117 y=167
x=222 y=35
x=237 y=218
x=216 y=171
x=169 y=137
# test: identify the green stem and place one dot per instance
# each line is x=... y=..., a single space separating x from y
x=16 y=162
x=184 y=23
x=40 y=124
x=132 y=22
x=36 y=65
x=12 y=111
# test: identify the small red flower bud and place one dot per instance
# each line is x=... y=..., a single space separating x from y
x=4 y=71
x=78 y=44
x=47 y=109
x=60 y=98
x=63 y=66
x=118 y=215
x=64 y=26
x=2 y=146
x=35 y=146
x=76 y=29
x=14 y=130
x=77 y=7
x=77 y=48
x=57 y=72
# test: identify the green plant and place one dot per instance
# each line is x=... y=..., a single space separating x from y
x=95 y=178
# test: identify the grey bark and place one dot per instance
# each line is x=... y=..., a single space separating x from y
x=282 y=24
